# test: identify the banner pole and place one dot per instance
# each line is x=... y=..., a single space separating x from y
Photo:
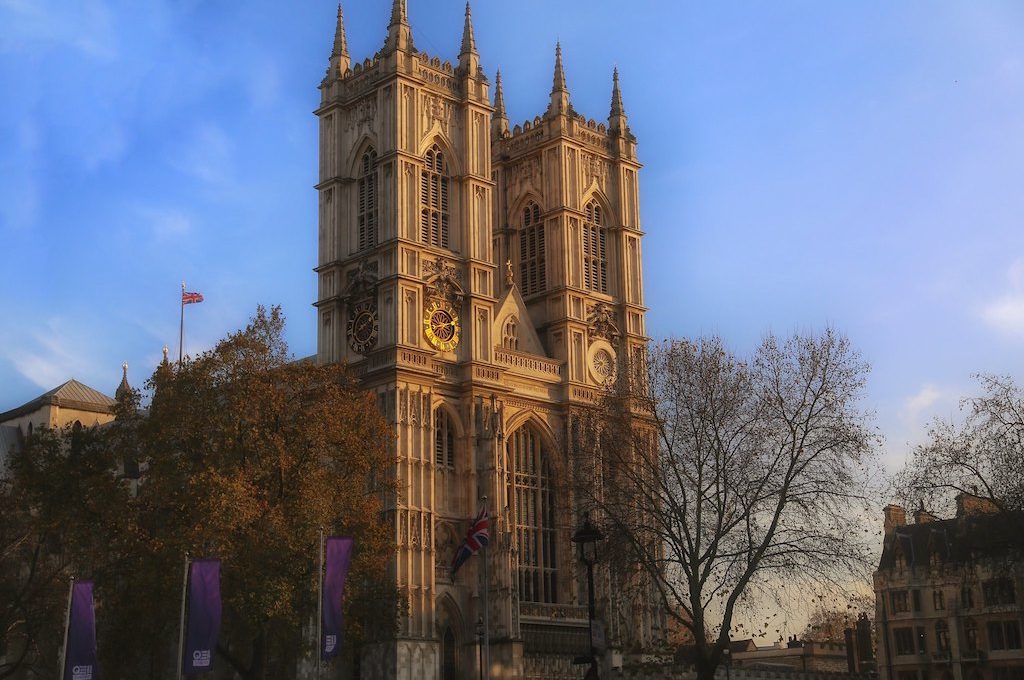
x=181 y=327
x=181 y=620
x=320 y=607
x=67 y=624
x=487 y=608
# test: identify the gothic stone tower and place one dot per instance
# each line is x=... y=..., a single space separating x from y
x=483 y=282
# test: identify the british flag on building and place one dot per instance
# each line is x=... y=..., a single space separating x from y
x=476 y=538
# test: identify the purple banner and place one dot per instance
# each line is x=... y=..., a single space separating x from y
x=80 y=659
x=203 y=616
x=339 y=555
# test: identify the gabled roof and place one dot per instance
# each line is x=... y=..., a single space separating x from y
x=512 y=304
x=71 y=394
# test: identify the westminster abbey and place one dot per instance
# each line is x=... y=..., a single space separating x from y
x=484 y=280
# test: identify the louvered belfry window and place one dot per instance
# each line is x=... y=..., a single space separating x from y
x=595 y=250
x=434 y=202
x=367 y=206
x=532 y=496
x=532 y=278
x=444 y=440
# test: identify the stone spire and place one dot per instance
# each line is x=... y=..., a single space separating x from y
x=124 y=387
x=468 y=42
x=469 y=58
x=399 y=31
x=499 y=119
x=617 y=115
x=559 y=91
x=339 y=55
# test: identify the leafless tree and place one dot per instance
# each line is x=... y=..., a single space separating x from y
x=983 y=455
x=723 y=477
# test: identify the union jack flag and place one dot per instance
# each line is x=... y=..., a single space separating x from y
x=476 y=538
x=190 y=298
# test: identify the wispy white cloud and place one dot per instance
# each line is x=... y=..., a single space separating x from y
x=919 y=403
x=37 y=25
x=164 y=224
x=1006 y=312
x=207 y=155
x=49 y=354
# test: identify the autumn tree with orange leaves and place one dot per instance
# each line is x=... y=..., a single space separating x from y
x=242 y=454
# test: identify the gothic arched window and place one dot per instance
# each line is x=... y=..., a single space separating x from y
x=510 y=334
x=434 y=189
x=445 y=483
x=532 y=278
x=444 y=439
x=366 y=208
x=533 y=516
x=595 y=249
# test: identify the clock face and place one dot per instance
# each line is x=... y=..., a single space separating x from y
x=363 y=327
x=441 y=325
x=603 y=364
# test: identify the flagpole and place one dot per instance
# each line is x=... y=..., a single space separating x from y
x=181 y=621
x=487 y=609
x=320 y=607
x=67 y=624
x=181 y=328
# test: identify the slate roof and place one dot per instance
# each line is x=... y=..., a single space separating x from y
x=71 y=394
x=955 y=541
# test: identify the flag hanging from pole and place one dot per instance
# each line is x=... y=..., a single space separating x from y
x=476 y=538
x=80 y=657
x=339 y=556
x=204 y=611
x=188 y=298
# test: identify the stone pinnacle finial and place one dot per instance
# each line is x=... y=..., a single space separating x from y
x=468 y=42
x=499 y=119
x=124 y=387
x=399 y=15
x=339 y=53
x=340 y=42
x=559 y=92
x=399 y=32
x=617 y=108
x=166 y=350
x=499 y=97
x=559 y=81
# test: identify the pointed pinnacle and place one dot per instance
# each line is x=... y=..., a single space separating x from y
x=499 y=97
x=559 y=81
x=617 y=108
x=468 y=42
x=398 y=13
x=340 y=42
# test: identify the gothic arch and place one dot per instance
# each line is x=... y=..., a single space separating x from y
x=594 y=194
x=520 y=203
x=435 y=136
x=548 y=437
x=453 y=415
x=366 y=142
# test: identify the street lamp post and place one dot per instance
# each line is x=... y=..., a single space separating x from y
x=586 y=537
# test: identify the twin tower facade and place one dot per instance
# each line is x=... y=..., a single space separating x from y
x=486 y=283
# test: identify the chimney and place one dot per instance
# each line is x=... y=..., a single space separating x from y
x=970 y=504
x=895 y=516
x=922 y=516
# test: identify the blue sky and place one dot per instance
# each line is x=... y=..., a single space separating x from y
x=806 y=163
